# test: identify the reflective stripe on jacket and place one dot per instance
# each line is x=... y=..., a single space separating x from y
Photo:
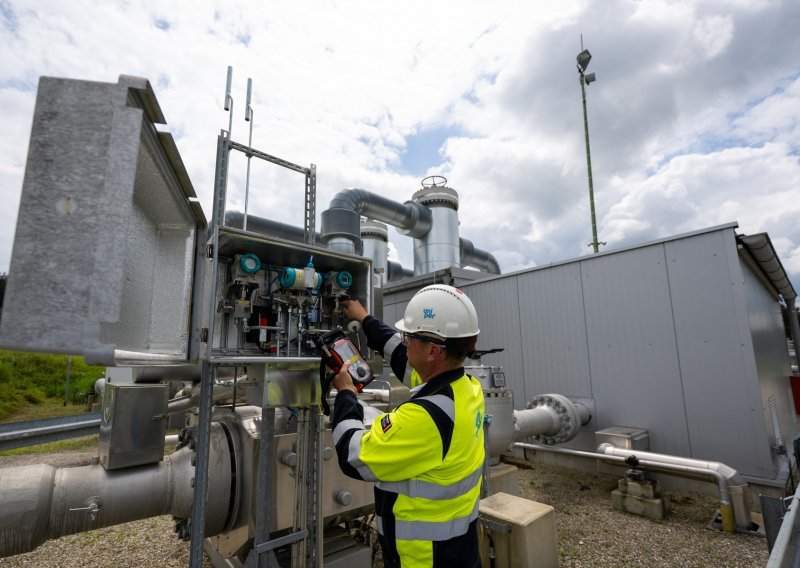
x=425 y=458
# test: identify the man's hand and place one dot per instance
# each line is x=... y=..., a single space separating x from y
x=354 y=310
x=343 y=381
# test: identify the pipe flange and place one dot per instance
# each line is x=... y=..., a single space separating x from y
x=437 y=195
x=566 y=413
x=374 y=229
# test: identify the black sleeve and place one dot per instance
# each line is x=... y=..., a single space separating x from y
x=346 y=407
x=378 y=335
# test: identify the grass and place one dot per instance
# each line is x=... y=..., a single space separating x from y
x=82 y=444
x=32 y=385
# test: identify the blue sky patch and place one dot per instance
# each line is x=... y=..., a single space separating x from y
x=9 y=17
x=422 y=149
x=18 y=85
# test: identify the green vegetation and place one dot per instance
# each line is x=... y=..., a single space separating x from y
x=32 y=384
x=82 y=444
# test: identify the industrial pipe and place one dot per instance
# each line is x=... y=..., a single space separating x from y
x=412 y=219
x=477 y=258
x=730 y=509
x=737 y=486
x=41 y=502
x=551 y=418
x=395 y=271
x=220 y=392
x=265 y=226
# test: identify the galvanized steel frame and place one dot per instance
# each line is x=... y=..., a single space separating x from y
x=307 y=534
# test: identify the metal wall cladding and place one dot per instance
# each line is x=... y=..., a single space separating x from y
x=677 y=337
x=555 y=353
x=632 y=348
x=772 y=362
x=497 y=304
x=718 y=376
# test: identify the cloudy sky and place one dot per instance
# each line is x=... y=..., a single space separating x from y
x=694 y=117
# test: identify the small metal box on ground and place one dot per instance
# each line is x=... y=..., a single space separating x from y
x=519 y=532
x=624 y=437
x=133 y=425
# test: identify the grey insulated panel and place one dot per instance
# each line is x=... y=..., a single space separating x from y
x=104 y=250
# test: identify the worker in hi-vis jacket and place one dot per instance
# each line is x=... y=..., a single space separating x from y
x=426 y=456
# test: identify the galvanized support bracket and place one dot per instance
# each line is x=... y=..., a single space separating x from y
x=494 y=526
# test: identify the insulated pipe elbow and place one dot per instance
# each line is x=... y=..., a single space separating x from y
x=736 y=486
x=395 y=271
x=412 y=219
x=477 y=258
x=730 y=474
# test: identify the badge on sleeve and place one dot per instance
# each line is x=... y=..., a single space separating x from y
x=386 y=423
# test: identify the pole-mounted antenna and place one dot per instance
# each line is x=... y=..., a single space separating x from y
x=248 y=116
x=228 y=106
x=248 y=112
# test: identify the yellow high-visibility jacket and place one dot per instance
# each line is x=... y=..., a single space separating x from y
x=426 y=459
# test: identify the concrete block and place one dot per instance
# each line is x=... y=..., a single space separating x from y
x=504 y=479
x=646 y=489
x=531 y=537
x=655 y=509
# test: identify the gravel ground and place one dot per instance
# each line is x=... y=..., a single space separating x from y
x=590 y=533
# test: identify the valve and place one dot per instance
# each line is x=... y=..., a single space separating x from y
x=93 y=508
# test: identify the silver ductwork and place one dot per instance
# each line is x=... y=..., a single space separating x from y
x=431 y=219
x=41 y=502
x=396 y=271
x=439 y=247
x=375 y=240
x=341 y=229
x=477 y=258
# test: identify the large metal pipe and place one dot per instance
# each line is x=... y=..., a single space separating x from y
x=265 y=226
x=410 y=218
x=551 y=418
x=396 y=271
x=341 y=221
x=439 y=247
x=375 y=240
x=735 y=511
x=477 y=258
x=41 y=502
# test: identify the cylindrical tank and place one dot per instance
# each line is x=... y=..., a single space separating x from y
x=375 y=239
x=440 y=247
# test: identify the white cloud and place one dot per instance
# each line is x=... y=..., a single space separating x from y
x=693 y=118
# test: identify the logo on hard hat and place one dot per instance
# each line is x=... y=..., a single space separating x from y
x=427 y=313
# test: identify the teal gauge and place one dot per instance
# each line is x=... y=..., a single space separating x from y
x=249 y=263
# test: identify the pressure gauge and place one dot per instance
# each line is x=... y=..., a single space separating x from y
x=249 y=263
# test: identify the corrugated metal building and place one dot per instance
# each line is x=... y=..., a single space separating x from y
x=683 y=337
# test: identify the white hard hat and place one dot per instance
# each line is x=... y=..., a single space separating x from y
x=442 y=310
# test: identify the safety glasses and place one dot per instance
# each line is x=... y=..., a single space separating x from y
x=423 y=338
